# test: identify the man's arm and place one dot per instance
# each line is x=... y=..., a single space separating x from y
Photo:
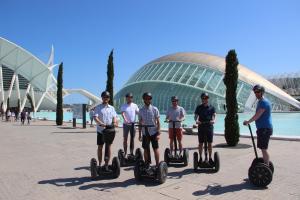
x=98 y=121
x=213 y=120
x=124 y=117
x=255 y=117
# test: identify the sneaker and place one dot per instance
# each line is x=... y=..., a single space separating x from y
x=211 y=162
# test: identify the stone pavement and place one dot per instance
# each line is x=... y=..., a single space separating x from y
x=42 y=161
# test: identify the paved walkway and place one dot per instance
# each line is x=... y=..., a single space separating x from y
x=42 y=161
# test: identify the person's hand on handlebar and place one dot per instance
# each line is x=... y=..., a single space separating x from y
x=198 y=122
x=246 y=122
x=212 y=121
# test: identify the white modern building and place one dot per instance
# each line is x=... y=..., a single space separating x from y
x=21 y=73
x=188 y=74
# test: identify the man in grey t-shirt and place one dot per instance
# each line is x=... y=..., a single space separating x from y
x=149 y=115
x=175 y=113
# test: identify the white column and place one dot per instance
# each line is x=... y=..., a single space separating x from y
x=33 y=99
x=18 y=88
x=40 y=101
x=2 y=89
x=11 y=85
x=25 y=97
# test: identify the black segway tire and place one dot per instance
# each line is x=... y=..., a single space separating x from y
x=185 y=157
x=261 y=160
x=93 y=168
x=196 y=164
x=139 y=165
x=162 y=172
x=166 y=155
x=138 y=154
x=260 y=175
x=121 y=156
x=216 y=161
x=116 y=167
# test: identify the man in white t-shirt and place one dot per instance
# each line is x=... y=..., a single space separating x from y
x=129 y=112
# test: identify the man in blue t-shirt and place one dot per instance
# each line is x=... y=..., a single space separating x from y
x=263 y=121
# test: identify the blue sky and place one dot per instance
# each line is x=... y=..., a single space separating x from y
x=265 y=34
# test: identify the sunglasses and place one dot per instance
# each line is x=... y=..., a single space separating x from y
x=204 y=98
x=105 y=97
x=256 y=92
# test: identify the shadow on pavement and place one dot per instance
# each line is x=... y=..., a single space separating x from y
x=238 y=146
x=124 y=184
x=81 y=168
x=219 y=189
x=75 y=132
x=180 y=174
x=67 y=182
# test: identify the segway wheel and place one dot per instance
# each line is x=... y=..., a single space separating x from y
x=116 y=167
x=260 y=175
x=195 y=161
x=138 y=168
x=185 y=157
x=162 y=172
x=166 y=155
x=138 y=154
x=121 y=156
x=217 y=161
x=261 y=160
x=93 y=168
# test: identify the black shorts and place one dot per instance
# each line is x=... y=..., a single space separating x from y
x=105 y=137
x=147 y=139
x=207 y=132
x=263 y=137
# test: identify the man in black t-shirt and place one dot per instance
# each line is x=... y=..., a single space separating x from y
x=205 y=117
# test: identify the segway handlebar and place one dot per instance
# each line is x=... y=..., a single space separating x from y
x=253 y=142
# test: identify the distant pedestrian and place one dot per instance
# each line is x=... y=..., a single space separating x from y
x=8 y=115
x=13 y=116
x=92 y=112
x=23 y=117
x=28 y=118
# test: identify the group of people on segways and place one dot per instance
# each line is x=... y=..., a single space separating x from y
x=261 y=170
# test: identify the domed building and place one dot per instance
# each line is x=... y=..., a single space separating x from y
x=187 y=75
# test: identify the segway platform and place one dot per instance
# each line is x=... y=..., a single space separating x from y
x=97 y=171
x=129 y=159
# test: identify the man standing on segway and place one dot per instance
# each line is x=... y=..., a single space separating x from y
x=149 y=115
x=129 y=111
x=175 y=113
x=263 y=122
x=106 y=118
x=205 y=117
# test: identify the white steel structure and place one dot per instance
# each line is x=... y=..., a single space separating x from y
x=22 y=73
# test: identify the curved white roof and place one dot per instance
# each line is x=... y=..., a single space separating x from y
x=26 y=64
x=218 y=63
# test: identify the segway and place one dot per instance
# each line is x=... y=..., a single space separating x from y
x=204 y=164
x=176 y=157
x=143 y=170
x=130 y=159
x=113 y=169
x=259 y=173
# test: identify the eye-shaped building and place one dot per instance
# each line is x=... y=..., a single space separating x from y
x=187 y=75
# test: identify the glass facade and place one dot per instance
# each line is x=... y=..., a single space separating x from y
x=187 y=79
